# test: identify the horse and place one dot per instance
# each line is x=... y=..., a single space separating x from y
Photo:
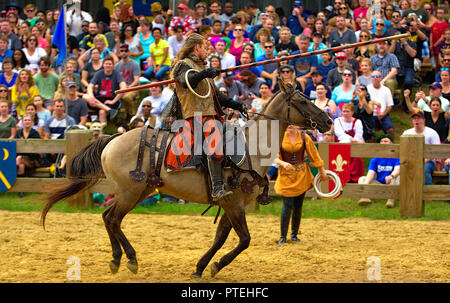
x=115 y=156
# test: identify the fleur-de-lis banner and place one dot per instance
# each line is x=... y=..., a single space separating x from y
x=339 y=161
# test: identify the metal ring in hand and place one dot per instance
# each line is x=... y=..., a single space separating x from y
x=336 y=192
x=186 y=78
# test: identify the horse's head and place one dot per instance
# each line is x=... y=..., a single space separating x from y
x=294 y=107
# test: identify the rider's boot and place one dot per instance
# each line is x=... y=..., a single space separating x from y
x=216 y=174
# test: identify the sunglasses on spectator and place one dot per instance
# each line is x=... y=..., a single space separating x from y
x=347 y=75
x=396 y=16
x=269 y=46
x=146 y=106
x=445 y=69
x=30 y=10
x=376 y=76
x=286 y=71
x=238 y=29
x=124 y=51
x=364 y=36
x=3 y=90
x=379 y=24
x=342 y=8
x=32 y=39
x=446 y=60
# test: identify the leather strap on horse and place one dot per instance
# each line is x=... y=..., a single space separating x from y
x=246 y=185
x=138 y=174
x=154 y=180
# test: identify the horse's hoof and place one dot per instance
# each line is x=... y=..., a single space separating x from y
x=214 y=269
x=114 y=267
x=132 y=266
x=196 y=276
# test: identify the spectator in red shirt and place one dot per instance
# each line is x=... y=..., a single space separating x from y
x=186 y=21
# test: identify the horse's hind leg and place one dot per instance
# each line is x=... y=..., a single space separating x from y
x=236 y=216
x=115 y=244
x=223 y=230
x=113 y=219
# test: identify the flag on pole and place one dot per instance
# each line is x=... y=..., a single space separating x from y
x=59 y=37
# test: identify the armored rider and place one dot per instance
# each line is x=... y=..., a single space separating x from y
x=197 y=93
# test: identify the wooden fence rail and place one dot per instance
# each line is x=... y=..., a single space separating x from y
x=411 y=192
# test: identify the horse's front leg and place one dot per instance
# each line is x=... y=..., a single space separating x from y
x=236 y=215
x=222 y=232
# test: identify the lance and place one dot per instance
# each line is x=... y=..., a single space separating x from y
x=274 y=60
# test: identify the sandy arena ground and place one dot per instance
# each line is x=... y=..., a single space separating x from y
x=168 y=248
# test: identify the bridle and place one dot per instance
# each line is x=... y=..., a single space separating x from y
x=310 y=124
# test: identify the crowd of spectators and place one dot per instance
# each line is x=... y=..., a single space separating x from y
x=116 y=49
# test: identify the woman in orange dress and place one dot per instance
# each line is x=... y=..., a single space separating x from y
x=295 y=177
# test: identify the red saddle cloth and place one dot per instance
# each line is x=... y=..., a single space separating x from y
x=183 y=145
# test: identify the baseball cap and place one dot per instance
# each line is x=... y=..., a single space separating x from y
x=124 y=46
x=329 y=8
x=230 y=76
x=182 y=5
x=384 y=136
x=317 y=34
x=298 y=3
x=316 y=72
x=418 y=112
x=286 y=66
x=341 y=55
x=436 y=85
x=71 y=83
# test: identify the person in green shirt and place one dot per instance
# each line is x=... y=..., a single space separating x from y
x=46 y=81
x=7 y=122
x=30 y=11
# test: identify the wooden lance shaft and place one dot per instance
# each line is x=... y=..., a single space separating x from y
x=284 y=58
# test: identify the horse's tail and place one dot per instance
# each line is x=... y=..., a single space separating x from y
x=85 y=171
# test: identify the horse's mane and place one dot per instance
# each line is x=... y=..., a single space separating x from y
x=266 y=105
x=270 y=101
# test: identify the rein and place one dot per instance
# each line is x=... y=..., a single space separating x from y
x=310 y=122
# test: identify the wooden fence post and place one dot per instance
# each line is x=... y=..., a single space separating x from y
x=412 y=176
x=76 y=140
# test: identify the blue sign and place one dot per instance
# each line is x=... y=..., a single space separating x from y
x=8 y=169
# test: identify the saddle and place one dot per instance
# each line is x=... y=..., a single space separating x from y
x=237 y=157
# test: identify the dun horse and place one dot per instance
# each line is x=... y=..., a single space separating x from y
x=114 y=157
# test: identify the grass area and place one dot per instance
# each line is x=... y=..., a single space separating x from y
x=329 y=209
x=324 y=209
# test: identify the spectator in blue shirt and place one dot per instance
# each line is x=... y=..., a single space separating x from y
x=316 y=79
x=5 y=52
x=387 y=171
x=268 y=71
x=326 y=65
x=297 y=21
x=306 y=65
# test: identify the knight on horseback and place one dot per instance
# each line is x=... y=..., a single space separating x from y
x=197 y=93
